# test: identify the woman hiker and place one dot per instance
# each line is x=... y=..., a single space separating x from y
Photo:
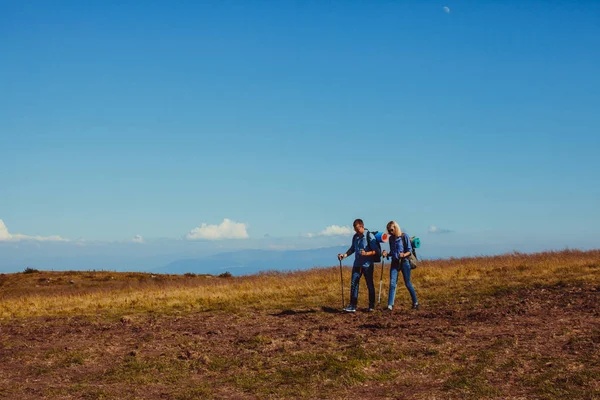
x=400 y=249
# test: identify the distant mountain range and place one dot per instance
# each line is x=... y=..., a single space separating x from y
x=251 y=261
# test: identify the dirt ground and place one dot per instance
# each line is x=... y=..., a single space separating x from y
x=541 y=342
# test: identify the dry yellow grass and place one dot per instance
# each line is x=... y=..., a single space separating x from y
x=434 y=281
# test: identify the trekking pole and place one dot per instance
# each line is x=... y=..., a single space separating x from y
x=381 y=280
x=342 y=280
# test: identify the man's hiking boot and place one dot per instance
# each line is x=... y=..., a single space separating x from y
x=350 y=309
x=416 y=306
x=371 y=309
x=388 y=309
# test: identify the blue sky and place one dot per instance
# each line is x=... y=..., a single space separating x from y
x=287 y=118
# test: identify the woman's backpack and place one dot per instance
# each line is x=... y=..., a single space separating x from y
x=414 y=242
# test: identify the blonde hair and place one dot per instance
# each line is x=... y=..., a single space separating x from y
x=395 y=228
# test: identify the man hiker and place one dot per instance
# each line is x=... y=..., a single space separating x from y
x=365 y=249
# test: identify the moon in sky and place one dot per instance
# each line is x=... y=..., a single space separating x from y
x=446 y=9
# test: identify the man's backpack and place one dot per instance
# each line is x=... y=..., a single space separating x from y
x=414 y=243
x=377 y=256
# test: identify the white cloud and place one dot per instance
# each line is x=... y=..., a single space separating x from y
x=225 y=230
x=53 y=238
x=435 y=229
x=331 y=230
x=4 y=235
x=138 y=239
x=446 y=9
x=15 y=237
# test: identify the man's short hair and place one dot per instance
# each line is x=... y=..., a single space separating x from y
x=359 y=222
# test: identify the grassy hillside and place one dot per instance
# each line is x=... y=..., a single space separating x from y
x=512 y=326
